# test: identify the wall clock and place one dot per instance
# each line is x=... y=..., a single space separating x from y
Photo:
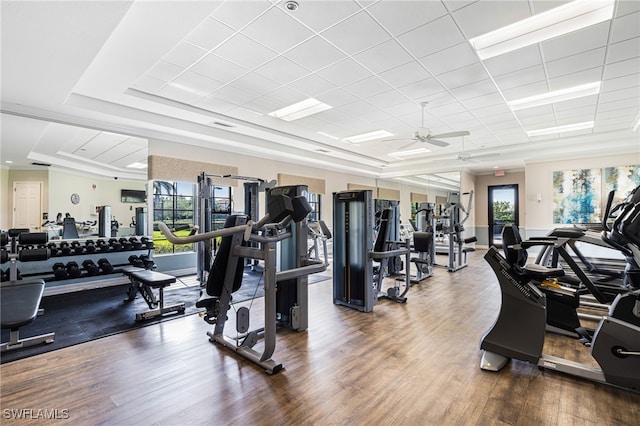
x=75 y=198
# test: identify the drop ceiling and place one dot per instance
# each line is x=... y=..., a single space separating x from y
x=86 y=84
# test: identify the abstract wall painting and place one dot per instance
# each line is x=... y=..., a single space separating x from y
x=622 y=180
x=577 y=196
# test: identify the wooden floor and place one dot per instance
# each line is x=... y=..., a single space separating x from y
x=410 y=364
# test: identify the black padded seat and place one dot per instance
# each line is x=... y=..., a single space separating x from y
x=566 y=233
x=19 y=306
x=516 y=255
x=152 y=278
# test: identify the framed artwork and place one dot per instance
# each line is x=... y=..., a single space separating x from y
x=577 y=196
x=622 y=180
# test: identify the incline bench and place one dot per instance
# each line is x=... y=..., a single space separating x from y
x=144 y=281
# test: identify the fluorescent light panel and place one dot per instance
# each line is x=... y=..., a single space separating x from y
x=546 y=25
x=368 y=136
x=556 y=96
x=409 y=152
x=137 y=165
x=635 y=126
x=301 y=109
x=561 y=129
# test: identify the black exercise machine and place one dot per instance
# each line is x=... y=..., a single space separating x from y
x=20 y=299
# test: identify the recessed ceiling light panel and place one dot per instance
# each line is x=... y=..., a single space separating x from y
x=368 y=136
x=301 y=109
x=561 y=129
x=556 y=96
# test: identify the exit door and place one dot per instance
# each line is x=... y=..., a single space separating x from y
x=503 y=209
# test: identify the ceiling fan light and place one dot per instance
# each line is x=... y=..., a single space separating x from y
x=546 y=25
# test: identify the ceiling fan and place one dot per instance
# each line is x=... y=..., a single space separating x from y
x=465 y=156
x=423 y=134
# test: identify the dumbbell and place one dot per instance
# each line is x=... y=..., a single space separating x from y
x=65 y=248
x=103 y=245
x=6 y=275
x=76 y=247
x=59 y=271
x=53 y=248
x=148 y=263
x=105 y=265
x=4 y=239
x=90 y=266
x=126 y=244
x=147 y=241
x=89 y=246
x=73 y=270
x=115 y=245
x=137 y=245
x=136 y=261
x=4 y=256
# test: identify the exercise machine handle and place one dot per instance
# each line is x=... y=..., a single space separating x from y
x=174 y=239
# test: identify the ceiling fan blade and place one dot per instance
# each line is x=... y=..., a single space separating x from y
x=401 y=139
x=452 y=134
x=436 y=142
x=407 y=145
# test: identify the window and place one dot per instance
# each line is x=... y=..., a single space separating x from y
x=314 y=202
x=173 y=205
x=221 y=206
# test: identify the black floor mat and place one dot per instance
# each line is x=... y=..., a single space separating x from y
x=92 y=314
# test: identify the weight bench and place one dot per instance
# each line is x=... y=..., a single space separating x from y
x=20 y=302
x=143 y=281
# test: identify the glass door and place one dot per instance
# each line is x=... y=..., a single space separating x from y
x=503 y=209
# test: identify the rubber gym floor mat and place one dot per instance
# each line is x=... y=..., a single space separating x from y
x=92 y=314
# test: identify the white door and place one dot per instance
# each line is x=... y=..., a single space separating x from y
x=27 y=205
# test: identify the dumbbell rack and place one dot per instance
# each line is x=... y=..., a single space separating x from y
x=64 y=253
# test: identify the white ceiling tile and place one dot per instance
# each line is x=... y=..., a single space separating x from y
x=180 y=94
x=582 y=61
x=164 y=71
x=196 y=82
x=236 y=50
x=336 y=97
x=520 y=78
x=615 y=114
x=400 y=16
x=531 y=112
x=626 y=7
x=627 y=81
x=209 y=34
x=624 y=50
x=312 y=85
x=344 y=72
x=485 y=87
x=368 y=87
x=525 y=91
x=432 y=37
x=277 y=30
x=234 y=95
x=148 y=84
x=520 y=59
x=315 y=53
x=439 y=99
x=463 y=76
x=421 y=90
x=318 y=15
x=285 y=96
x=282 y=70
x=334 y=116
x=356 y=33
x=453 y=5
x=579 y=103
x=385 y=56
x=626 y=27
x=214 y=104
x=492 y=110
x=237 y=14
x=622 y=68
x=578 y=113
x=575 y=79
x=454 y=120
x=184 y=55
x=405 y=74
x=449 y=59
x=617 y=95
x=491 y=119
x=402 y=109
x=484 y=16
x=262 y=105
x=387 y=99
x=576 y=42
x=218 y=68
x=621 y=104
x=483 y=101
x=449 y=109
x=255 y=83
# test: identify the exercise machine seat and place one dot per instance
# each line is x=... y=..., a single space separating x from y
x=517 y=256
x=215 y=280
x=69 y=229
x=19 y=306
x=422 y=243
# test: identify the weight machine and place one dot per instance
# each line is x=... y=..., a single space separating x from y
x=456 y=249
x=354 y=251
x=225 y=275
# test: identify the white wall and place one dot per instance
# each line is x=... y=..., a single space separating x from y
x=539 y=180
